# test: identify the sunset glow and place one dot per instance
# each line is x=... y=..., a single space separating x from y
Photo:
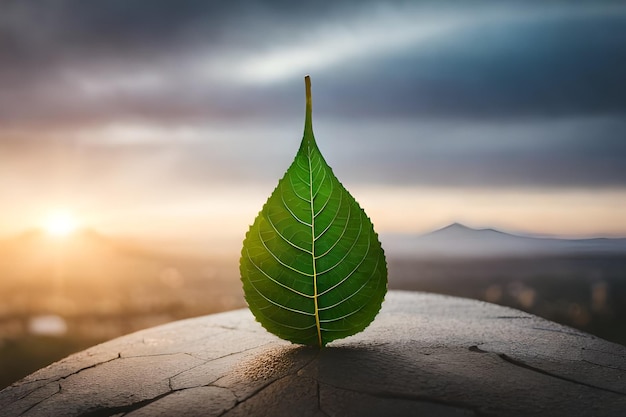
x=60 y=224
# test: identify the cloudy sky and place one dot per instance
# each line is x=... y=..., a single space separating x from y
x=177 y=119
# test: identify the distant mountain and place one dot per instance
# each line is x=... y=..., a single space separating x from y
x=459 y=240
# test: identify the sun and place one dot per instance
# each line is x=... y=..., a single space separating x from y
x=60 y=224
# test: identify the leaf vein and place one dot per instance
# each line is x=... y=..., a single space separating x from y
x=330 y=224
x=374 y=270
x=293 y=188
x=319 y=187
x=278 y=304
x=299 y=220
x=273 y=279
x=343 y=232
x=345 y=315
x=269 y=219
x=351 y=272
x=349 y=251
x=279 y=260
x=321 y=210
x=287 y=325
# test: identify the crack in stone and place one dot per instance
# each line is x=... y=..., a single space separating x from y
x=269 y=385
x=152 y=355
x=571 y=333
x=409 y=397
x=150 y=339
x=258 y=391
x=42 y=400
x=475 y=348
x=604 y=352
x=317 y=392
x=119 y=356
x=266 y=386
x=110 y=411
x=221 y=326
x=241 y=351
x=524 y=365
x=229 y=409
x=50 y=380
x=223 y=356
x=169 y=380
x=22 y=383
x=198 y=357
x=617 y=368
x=319 y=399
x=192 y=355
x=125 y=409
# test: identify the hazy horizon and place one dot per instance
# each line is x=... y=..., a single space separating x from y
x=451 y=240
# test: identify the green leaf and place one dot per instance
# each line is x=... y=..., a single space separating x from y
x=312 y=267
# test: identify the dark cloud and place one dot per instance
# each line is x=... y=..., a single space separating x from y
x=559 y=66
x=55 y=54
x=35 y=31
x=519 y=94
x=550 y=153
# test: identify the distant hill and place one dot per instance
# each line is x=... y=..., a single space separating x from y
x=457 y=240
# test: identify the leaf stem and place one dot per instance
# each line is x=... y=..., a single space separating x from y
x=308 y=123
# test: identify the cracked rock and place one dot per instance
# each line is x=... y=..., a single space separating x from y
x=424 y=354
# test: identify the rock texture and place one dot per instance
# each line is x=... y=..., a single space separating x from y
x=424 y=354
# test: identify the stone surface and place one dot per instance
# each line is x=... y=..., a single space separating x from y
x=424 y=354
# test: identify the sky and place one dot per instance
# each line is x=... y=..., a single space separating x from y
x=176 y=119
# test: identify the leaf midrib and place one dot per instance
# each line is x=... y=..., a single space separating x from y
x=314 y=259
